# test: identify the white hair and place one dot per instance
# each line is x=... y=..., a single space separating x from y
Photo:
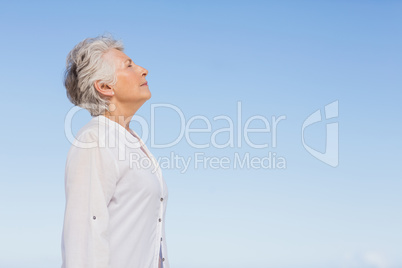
x=85 y=65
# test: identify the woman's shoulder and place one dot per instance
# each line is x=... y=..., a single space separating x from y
x=89 y=135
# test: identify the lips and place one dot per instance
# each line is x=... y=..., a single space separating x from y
x=145 y=84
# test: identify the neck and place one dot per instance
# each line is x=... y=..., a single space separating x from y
x=124 y=121
x=120 y=117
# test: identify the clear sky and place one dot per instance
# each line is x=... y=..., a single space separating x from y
x=207 y=58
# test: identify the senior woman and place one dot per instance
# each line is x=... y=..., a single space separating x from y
x=115 y=203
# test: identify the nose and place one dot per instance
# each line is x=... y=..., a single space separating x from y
x=144 y=71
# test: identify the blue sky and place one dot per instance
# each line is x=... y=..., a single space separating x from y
x=277 y=58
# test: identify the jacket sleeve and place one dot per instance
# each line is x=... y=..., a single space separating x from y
x=90 y=180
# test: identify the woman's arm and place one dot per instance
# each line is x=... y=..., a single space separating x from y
x=90 y=181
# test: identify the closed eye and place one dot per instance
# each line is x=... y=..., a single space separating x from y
x=130 y=63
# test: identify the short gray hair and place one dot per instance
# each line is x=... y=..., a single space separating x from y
x=84 y=66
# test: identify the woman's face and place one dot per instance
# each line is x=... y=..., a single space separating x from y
x=131 y=86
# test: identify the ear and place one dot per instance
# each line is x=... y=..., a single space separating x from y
x=104 y=89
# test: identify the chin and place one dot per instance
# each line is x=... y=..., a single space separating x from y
x=149 y=95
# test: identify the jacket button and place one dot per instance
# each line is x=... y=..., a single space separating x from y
x=161 y=238
x=94 y=217
x=160 y=219
x=163 y=259
x=161 y=199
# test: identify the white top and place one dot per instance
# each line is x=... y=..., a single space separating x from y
x=115 y=201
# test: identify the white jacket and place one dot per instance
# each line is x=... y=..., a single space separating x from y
x=115 y=201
